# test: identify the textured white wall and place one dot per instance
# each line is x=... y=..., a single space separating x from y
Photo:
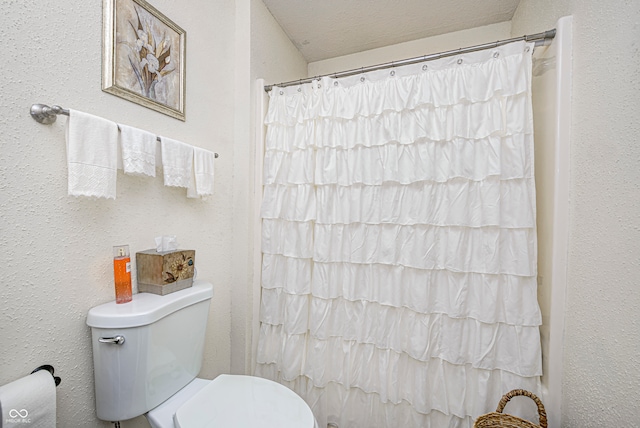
x=56 y=250
x=240 y=307
x=428 y=45
x=275 y=59
x=602 y=343
x=551 y=99
x=263 y=51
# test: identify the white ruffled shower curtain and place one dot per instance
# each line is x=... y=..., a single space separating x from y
x=399 y=242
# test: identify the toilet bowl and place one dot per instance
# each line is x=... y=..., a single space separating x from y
x=147 y=354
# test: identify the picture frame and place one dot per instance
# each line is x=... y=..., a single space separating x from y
x=144 y=56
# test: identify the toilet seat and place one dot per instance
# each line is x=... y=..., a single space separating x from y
x=162 y=415
x=244 y=402
x=233 y=401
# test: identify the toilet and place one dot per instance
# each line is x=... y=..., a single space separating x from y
x=147 y=354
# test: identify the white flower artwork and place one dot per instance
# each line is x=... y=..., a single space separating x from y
x=146 y=56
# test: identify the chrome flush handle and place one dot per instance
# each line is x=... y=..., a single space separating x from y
x=115 y=340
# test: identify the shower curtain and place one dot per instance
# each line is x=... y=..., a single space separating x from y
x=399 y=242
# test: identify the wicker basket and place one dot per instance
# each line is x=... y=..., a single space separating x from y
x=498 y=419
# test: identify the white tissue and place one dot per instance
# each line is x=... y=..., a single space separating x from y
x=29 y=402
x=166 y=243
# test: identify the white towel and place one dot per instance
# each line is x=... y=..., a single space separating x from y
x=138 y=151
x=92 y=155
x=202 y=178
x=29 y=401
x=177 y=162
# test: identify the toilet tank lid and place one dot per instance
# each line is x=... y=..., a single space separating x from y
x=146 y=308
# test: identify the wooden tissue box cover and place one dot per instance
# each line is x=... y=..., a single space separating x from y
x=165 y=272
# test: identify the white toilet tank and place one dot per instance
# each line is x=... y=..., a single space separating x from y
x=146 y=350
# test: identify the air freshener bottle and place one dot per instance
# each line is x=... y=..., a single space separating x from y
x=122 y=273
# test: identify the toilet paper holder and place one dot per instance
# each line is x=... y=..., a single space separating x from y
x=50 y=369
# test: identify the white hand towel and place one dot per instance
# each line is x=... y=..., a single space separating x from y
x=92 y=155
x=202 y=178
x=29 y=401
x=138 y=151
x=177 y=162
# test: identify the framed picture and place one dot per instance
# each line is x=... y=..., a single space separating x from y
x=143 y=56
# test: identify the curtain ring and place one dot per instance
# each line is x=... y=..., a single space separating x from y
x=458 y=54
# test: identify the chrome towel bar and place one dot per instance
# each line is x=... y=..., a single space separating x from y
x=46 y=115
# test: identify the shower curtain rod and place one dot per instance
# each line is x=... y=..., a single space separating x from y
x=538 y=38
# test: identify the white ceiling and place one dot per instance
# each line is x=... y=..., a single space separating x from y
x=323 y=29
